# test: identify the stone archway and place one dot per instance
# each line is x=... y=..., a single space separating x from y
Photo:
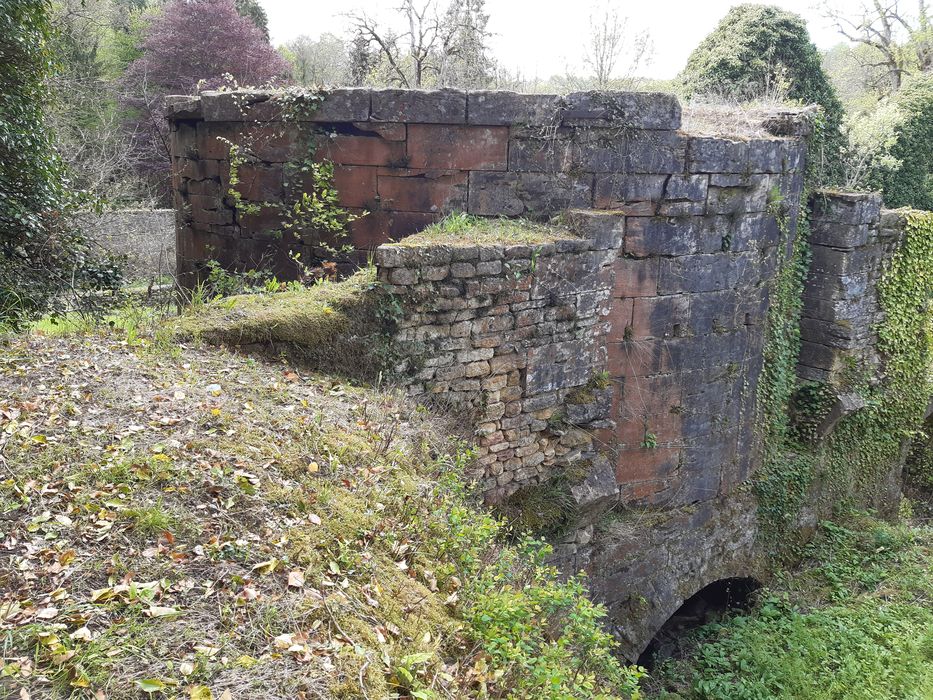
x=706 y=605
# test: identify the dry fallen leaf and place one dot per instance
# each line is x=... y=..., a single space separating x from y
x=296 y=579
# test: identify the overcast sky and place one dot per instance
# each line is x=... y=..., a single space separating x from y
x=542 y=38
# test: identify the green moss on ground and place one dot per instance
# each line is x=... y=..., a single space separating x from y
x=331 y=326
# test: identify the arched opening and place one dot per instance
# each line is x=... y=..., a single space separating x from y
x=703 y=607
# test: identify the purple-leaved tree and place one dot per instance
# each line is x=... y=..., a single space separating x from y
x=191 y=45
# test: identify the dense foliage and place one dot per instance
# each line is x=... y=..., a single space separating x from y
x=192 y=43
x=44 y=262
x=761 y=51
x=909 y=182
x=190 y=46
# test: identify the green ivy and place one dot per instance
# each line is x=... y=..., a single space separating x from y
x=853 y=460
x=45 y=262
x=314 y=215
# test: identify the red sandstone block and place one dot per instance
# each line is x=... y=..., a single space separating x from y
x=422 y=190
x=362 y=149
x=660 y=317
x=646 y=493
x=620 y=318
x=259 y=184
x=382 y=226
x=643 y=464
x=213 y=140
x=265 y=220
x=635 y=359
x=356 y=186
x=458 y=147
x=636 y=278
x=385 y=130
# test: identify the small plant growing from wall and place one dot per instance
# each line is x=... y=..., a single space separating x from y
x=312 y=214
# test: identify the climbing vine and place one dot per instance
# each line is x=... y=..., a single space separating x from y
x=853 y=460
x=313 y=214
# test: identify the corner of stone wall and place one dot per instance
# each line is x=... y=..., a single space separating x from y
x=851 y=238
x=514 y=336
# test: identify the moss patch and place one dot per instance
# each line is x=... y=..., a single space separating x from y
x=466 y=230
x=333 y=326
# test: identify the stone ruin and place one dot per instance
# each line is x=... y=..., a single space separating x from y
x=627 y=352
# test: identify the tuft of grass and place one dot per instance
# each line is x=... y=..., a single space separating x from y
x=461 y=229
x=152 y=520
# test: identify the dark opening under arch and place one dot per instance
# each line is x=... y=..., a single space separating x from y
x=704 y=606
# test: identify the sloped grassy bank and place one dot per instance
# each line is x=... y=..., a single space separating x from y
x=182 y=522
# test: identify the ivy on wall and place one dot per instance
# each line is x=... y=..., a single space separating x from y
x=314 y=214
x=852 y=462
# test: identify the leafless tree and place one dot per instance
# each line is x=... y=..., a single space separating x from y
x=409 y=65
x=901 y=43
x=431 y=47
x=610 y=42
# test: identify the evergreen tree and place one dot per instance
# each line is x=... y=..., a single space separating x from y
x=761 y=51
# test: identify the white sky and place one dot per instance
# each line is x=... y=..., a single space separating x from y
x=542 y=38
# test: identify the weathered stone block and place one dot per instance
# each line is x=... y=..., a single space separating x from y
x=356 y=185
x=717 y=155
x=636 y=278
x=496 y=107
x=838 y=235
x=513 y=194
x=649 y=152
x=637 y=110
x=445 y=106
x=659 y=317
x=340 y=105
x=766 y=156
x=421 y=190
x=636 y=195
x=363 y=148
x=846 y=208
x=657 y=235
x=696 y=273
x=458 y=148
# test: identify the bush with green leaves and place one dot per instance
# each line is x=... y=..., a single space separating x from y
x=45 y=263
x=910 y=182
x=762 y=51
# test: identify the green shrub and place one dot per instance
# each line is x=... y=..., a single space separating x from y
x=763 y=51
x=862 y=631
x=44 y=262
x=910 y=182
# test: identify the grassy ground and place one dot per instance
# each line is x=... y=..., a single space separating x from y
x=466 y=230
x=177 y=521
x=854 y=622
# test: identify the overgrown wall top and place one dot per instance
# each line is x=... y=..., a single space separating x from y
x=406 y=157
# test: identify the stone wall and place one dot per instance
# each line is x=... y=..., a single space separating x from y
x=516 y=334
x=620 y=357
x=145 y=236
x=407 y=157
x=850 y=239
